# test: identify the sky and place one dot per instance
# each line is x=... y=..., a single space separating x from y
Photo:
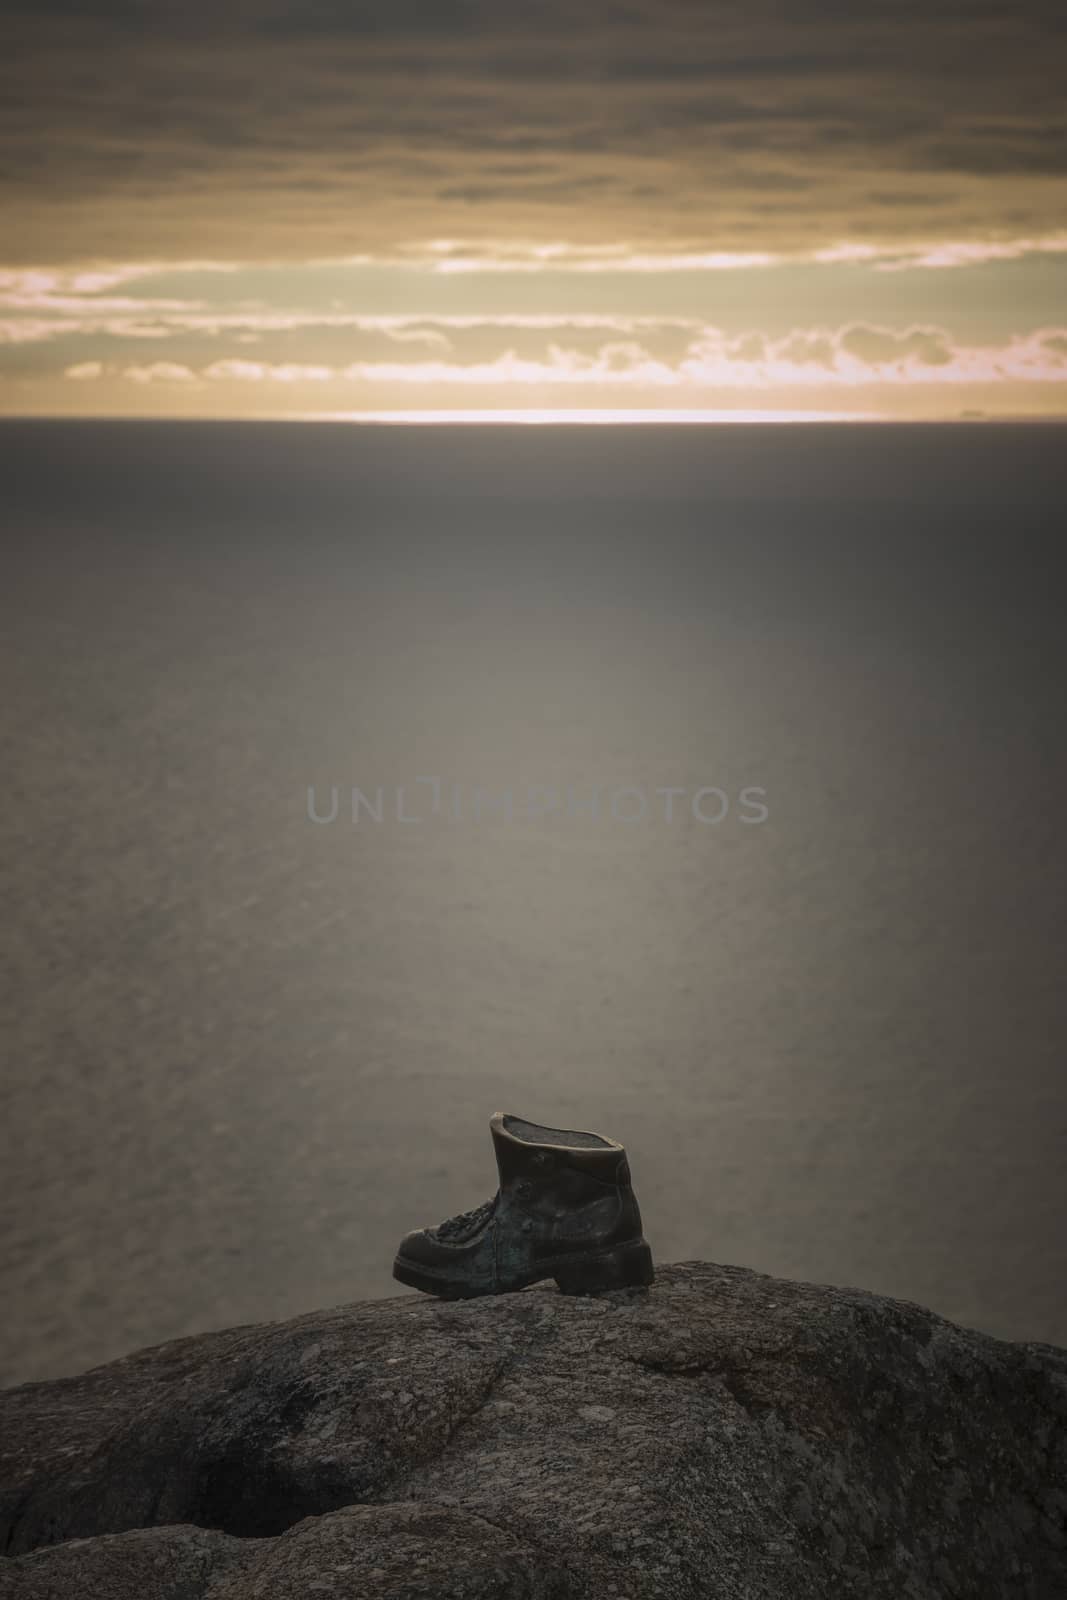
x=650 y=207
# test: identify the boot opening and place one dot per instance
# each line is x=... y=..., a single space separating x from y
x=534 y=1133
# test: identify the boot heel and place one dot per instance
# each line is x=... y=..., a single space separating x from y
x=627 y=1267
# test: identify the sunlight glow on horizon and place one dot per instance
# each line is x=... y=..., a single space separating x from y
x=590 y=415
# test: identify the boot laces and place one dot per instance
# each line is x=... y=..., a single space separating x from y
x=466 y=1221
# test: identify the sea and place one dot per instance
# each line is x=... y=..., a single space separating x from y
x=701 y=786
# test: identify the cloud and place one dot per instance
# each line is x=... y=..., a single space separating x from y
x=418 y=335
x=806 y=358
x=864 y=355
x=50 y=303
x=248 y=301
x=968 y=252
x=880 y=347
x=59 y=286
x=29 y=330
x=616 y=364
x=817 y=359
x=266 y=372
x=598 y=259
x=831 y=319
x=296 y=129
x=158 y=372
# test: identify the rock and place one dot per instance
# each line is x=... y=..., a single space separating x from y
x=723 y=1433
x=405 y=1548
x=176 y=1563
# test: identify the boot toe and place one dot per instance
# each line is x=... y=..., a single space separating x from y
x=420 y=1248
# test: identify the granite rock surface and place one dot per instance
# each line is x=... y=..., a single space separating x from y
x=721 y=1434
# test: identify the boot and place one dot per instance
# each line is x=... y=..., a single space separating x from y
x=564 y=1210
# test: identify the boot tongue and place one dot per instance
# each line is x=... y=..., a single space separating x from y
x=512 y=1155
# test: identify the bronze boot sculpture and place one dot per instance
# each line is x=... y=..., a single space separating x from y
x=565 y=1209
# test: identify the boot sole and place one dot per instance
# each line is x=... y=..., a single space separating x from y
x=627 y=1266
